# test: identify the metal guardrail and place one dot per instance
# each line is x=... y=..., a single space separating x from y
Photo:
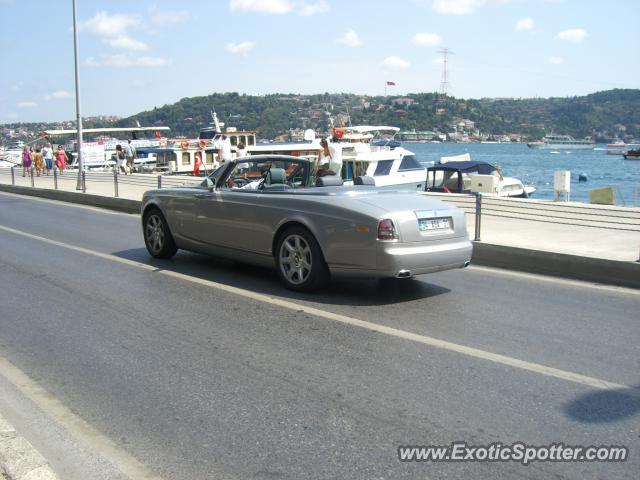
x=53 y=178
x=623 y=219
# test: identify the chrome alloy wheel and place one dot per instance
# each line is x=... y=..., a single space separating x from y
x=296 y=260
x=154 y=233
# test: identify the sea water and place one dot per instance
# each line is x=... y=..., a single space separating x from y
x=536 y=167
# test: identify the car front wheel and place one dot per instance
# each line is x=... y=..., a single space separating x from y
x=299 y=261
x=157 y=236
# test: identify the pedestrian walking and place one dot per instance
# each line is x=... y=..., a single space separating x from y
x=27 y=162
x=131 y=155
x=47 y=153
x=61 y=159
x=38 y=162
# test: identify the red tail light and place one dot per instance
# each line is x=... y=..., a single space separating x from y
x=386 y=231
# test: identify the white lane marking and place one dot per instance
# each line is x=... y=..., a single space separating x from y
x=374 y=327
x=68 y=204
x=559 y=280
x=55 y=409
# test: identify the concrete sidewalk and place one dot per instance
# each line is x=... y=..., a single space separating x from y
x=595 y=249
x=19 y=460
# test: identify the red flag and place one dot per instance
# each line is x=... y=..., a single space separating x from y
x=393 y=84
x=158 y=134
x=198 y=162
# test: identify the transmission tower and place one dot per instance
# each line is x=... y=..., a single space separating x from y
x=444 y=84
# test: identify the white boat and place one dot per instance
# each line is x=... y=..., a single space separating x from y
x=565 y=142
x=371 y=151
x=458 y=174
x=367 y=151
x=12 y=155
x=100 y=154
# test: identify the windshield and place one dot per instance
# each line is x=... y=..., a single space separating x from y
x=268 y=174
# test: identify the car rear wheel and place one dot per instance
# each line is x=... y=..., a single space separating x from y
x=157 y=236
x=299 y=261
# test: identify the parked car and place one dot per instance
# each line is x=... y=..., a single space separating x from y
x=281 y=210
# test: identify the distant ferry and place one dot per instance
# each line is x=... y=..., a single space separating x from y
x=566 y=142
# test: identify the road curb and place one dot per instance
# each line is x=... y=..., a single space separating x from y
x=120 y=204
x=599 y=270
x=19 y=460
x=612 y=272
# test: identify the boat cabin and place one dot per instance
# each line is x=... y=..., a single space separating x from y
x=462 y=177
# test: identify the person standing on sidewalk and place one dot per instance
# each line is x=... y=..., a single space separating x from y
x=120 y=158
x=131 y=155
x=61 y=159
x=26 y=160
x=47 y=153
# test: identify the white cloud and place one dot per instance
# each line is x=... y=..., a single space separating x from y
x=164 y=18
x=277 y=7
x=308 y=9
x=427 y=39
x=124 y=42
x=573 y=35
x=556 y=60
x=27 y=105
x=395 y=62
x=242 y=48
x=59 y=95
x=110 y=26
x=437 y=61
x=114 y=29
x=524 y=25
x=350 y=39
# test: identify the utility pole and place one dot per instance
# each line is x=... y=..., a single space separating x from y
x=78 y=114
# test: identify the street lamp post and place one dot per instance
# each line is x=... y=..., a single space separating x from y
x=78 y=115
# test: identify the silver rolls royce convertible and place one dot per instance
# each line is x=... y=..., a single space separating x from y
x=285 y=211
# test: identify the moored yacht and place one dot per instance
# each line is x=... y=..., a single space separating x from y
x=565 y=142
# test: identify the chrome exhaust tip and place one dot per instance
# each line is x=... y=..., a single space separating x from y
x=404 y=274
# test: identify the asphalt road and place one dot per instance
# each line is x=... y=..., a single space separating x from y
x=196 y=382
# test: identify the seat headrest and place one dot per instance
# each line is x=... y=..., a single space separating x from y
x=329 y=181
x=276 y=176
x=364 y=180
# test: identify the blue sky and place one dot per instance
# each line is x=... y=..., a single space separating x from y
x=137 y=55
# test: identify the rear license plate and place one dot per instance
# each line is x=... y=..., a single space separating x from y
x=427 y=224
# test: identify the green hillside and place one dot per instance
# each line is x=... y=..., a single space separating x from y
x=604 y=115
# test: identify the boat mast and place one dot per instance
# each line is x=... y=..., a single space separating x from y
x=215 y=121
